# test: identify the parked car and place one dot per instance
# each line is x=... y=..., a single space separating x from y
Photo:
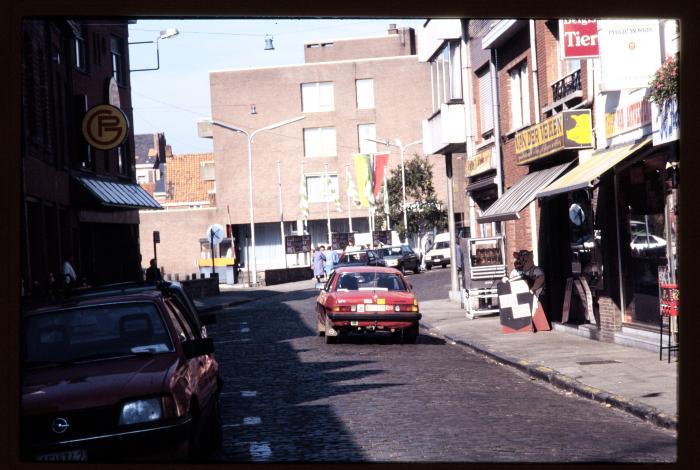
x=439 y=254
x=648 y=244
x=401 y=257
x=115 y=376
x=360 y=258
x=367 y=300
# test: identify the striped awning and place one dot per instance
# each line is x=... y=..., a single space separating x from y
x=126 y=195
x=586 y=174
x=521 y=194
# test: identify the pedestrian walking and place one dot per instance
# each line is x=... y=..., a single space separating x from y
x=332 y=258
x=318 y=261
x=153 y=273
x=69 y=276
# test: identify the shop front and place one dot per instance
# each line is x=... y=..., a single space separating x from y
x=482 y=189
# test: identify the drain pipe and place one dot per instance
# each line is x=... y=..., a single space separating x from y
x=467 y=93
x=536 y=95
x=495 y=105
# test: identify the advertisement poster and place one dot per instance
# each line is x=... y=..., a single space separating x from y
x=629 y=53
x=578 y=39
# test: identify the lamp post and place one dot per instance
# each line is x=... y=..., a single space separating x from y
x=250 y=136
x=397 y=143
x=168 y=33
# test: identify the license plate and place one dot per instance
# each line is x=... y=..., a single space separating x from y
x=69 y=455
x=374 y=308
x=437 y=257
x=354 y=323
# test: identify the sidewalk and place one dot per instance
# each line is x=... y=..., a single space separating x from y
x=628 y=378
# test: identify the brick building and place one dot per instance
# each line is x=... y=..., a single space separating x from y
x=76 y=197
x=347 y=90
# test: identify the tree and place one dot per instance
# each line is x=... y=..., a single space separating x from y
x=424 y=210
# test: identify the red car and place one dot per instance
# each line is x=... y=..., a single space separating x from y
x=118 y=376
x=367 y=299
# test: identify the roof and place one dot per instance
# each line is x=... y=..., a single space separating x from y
x=366 y=269
x=108 y=297
x=143 y=143
x=184 y=179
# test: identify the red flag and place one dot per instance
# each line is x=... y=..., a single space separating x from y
x=380 y=161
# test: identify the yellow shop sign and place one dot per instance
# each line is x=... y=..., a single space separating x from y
x=481 y=162
x=566 y=130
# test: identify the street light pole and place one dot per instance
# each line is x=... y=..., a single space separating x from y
x=250 y=136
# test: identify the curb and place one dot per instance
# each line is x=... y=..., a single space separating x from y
x=563 y=381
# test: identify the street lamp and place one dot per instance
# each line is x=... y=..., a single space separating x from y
x=402 y=148
x=250 y=136
x=168 y=33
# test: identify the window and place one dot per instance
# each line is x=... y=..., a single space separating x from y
x=79 y=47
x=117 y=50
x=365 y=93
x=319 y=142
x=367 y=131
x=320 y=190
x=206 y=170
x=446 y=72
x=519 y=97
x=485 y=101
x=316 y=97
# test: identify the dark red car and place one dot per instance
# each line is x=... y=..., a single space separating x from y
x=117 y=377
x=367 y=300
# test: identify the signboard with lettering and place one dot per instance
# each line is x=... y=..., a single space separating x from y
x=664 y=123
x=578 y=39
x=339 y=240
x=105 y=127
x=627 y=118
x=481 y=162
x=566 y=130
x=630 y=53
x=297 y=244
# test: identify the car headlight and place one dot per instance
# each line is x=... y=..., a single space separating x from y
x=140 y=411
x=392 y=262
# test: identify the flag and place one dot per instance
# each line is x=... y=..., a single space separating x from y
x=380 y=161
x=303 y=198
x=352 y=191
x=332 y=191
x=363 y=175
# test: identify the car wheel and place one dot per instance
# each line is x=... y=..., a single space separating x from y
x=428 y=267
x=321 y=328
x=194 y=442
x=416 y=268
x=409 y=335
x=214 y=432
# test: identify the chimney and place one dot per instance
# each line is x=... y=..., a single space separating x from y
x=392 y=29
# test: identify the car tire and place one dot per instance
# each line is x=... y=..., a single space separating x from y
x=416 y=268
x=409 y=335
x=321 y=328
x=444 y=265
x=428 y=267
x=214 y=433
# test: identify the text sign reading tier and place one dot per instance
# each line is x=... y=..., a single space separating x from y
x=579 y=39
x=105 y=127
x=566 y=130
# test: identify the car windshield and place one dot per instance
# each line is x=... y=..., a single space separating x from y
x=390 y=251
x=94 y=332
x=440 y=245
x=355 y=257
x=370 y=281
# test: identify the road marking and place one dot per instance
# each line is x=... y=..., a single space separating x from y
x=251 y=420
x=242 y=340
x=248 y=393
x=260 y=450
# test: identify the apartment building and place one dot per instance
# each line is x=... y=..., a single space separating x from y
x=77 y=196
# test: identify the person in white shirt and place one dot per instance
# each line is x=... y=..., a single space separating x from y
x=69 y=276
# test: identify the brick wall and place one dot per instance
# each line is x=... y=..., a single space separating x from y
x=398 y=42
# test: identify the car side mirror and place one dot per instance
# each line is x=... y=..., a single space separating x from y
x=198 y=347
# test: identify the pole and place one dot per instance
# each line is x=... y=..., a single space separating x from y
x=347 y=184
x=386 y=189
x=254 y=280
x=451 y=227
x=279 y=183
x=328 y=210
x=211 y=247
x=403 y=190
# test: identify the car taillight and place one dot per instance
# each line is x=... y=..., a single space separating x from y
x=405 y=308
x=344 y=308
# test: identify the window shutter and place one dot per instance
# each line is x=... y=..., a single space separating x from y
x=485 y=102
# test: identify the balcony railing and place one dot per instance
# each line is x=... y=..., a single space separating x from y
x=566 y=86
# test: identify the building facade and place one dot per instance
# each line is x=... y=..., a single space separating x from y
x=78 y=199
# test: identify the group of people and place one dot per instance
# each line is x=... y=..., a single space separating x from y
x=323 y=260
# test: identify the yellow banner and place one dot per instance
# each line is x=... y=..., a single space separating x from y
x=362 y=176
x=566 y=130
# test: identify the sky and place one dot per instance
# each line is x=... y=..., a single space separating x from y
x=172 y=98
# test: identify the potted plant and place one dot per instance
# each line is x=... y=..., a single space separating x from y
x=664 y=85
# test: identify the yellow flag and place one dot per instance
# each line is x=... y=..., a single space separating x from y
x=362 y=176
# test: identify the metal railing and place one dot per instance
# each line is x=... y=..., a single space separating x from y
x=567 y=85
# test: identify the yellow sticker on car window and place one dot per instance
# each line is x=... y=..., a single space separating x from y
x=381 y=301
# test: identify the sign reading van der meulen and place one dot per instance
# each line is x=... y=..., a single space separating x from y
x=481 y=162
x=566 y=130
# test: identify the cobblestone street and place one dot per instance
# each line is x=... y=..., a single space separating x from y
x=288 y=396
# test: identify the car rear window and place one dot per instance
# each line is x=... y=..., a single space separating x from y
x=391 y=251
x=94 y=332
x=440 y=245
x=370 y=281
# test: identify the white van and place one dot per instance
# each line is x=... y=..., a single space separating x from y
x=439 y=254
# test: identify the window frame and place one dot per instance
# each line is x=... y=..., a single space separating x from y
x=363 y=144
x=116 y=50
x=366 y=100
x=319 y=149
x=316 y=95
x=520 y=101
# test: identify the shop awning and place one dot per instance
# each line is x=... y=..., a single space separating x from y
x=481 y=184
x=586 y=174
x=126 y=195
x=521 y=194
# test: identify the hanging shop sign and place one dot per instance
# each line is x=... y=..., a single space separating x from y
x=566 y=130
x=105 y=127
x=627 y=118
x=664 y=122
x=481 y=162
x=578 y=39
x=630 y=53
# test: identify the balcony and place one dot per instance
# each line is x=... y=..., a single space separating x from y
x=567 y=88
x=445 y=131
